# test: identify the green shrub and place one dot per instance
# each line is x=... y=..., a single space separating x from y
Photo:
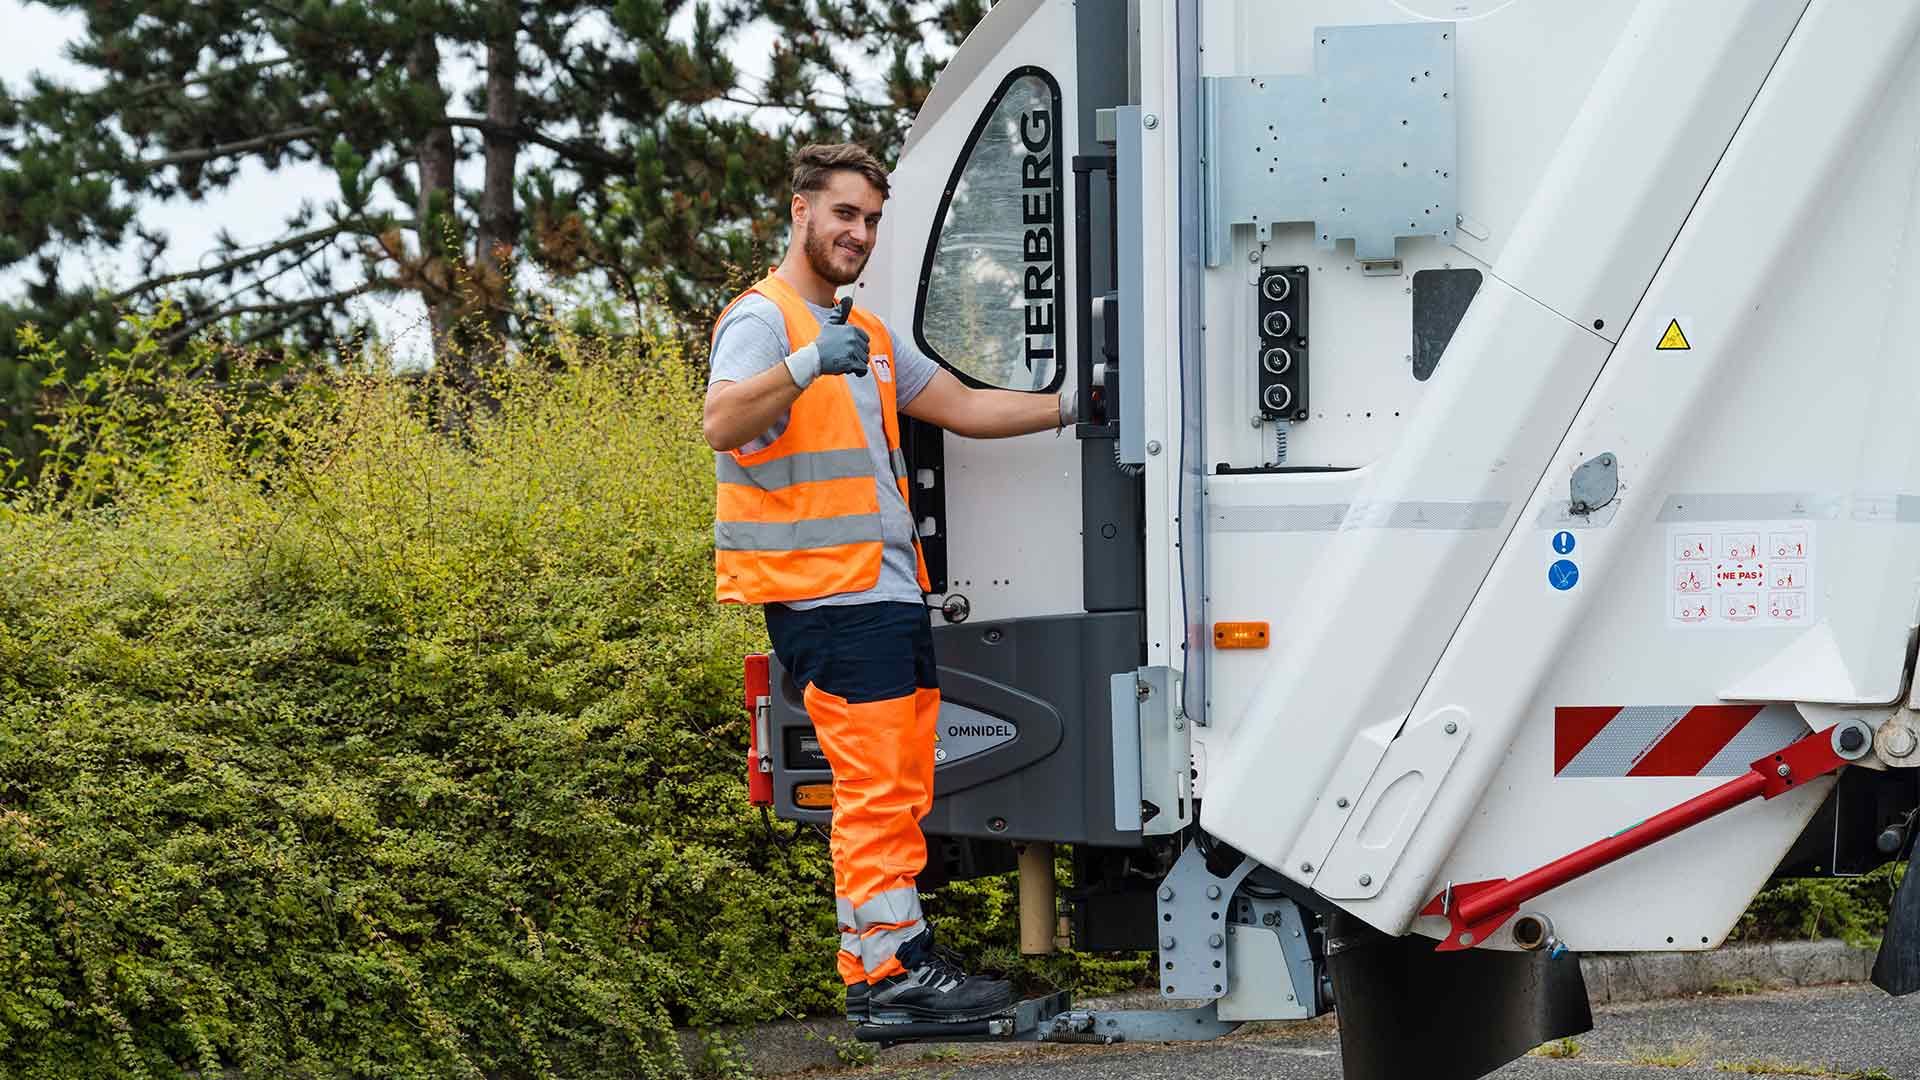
x=332 y=746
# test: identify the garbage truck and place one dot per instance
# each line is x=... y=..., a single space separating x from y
x=1491 y=529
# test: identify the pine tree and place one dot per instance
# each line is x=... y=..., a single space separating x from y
x=618 y=139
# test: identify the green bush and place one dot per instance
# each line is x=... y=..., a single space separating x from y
x=334 y=746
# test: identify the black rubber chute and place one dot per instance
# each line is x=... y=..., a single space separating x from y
x=1897 y=969
x=1406 y=1010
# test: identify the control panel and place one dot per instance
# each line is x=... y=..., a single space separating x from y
x=1283 y=343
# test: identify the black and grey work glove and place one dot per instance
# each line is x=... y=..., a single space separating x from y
x=839 y=350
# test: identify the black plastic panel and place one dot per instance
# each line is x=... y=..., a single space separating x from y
x=1048 y=677
x=1440 y=301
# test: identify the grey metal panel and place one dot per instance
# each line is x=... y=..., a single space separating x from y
x=1128 y=162
x=1364 y=147
x=1125 y=707
x=1193 y=926
x=1440 y=301
x=1196 y=648
x=1113 y=531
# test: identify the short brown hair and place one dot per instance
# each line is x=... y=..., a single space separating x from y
x=814 y=166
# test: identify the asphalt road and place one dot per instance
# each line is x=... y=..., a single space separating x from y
x=1845 y=1031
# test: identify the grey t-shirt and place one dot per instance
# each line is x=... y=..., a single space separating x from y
x=751 y=338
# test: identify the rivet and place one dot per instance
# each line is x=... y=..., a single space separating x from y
x=1213 y=892
x=1306 y=868
x=1153 y=446
x=1451 y=727
x=1150 y=121
x=1366 y=879
x=1341 y=802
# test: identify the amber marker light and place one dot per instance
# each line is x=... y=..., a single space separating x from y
x=1239 y=635
x=813 y=796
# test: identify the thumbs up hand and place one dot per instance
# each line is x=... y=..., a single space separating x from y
x=843 y=348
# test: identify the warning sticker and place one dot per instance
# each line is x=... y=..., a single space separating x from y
x=1725 y=575
x=1674 y=339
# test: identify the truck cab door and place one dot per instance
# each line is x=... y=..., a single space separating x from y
x=976 y=263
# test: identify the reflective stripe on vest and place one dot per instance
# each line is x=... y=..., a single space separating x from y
x=792 y=521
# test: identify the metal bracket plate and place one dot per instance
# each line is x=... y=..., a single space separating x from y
x=1269 y=963
x=1365 y=147
x=1193 y=926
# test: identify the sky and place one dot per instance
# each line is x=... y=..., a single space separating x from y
x=253 y=209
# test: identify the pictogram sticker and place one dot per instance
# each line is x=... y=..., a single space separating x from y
x=1735 y=574
x=1674 y=338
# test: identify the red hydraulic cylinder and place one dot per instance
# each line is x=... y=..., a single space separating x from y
x=1477 y=909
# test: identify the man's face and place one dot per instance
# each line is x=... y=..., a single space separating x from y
x=838 y=225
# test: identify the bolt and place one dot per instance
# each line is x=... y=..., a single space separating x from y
x=1852 y=738
x=1167 y=942
x=1215 y=940
x=1179 y=724
x=1365 y=880
x=1229 y=929
x=1901 y=742
x=1256 y=420
x=1253 y=256
x=1783 y=771
x=1306 y=868
x=1213 y=892
x=1153 y=446
x=1341 y=802
x=1150 y=121
x=1451 y=727
x=1166 y=892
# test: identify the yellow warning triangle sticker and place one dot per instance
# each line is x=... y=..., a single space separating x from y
x=1673 y=338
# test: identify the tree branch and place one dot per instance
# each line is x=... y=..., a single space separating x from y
x=187 y=330
x=237 y=262
x=263 y=142
x=578 y=151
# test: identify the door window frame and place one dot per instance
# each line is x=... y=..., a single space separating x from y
x=1063 y=301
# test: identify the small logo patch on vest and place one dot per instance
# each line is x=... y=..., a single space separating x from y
x=882 y=367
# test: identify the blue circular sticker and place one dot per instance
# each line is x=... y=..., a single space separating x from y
x=1563 y=542
x=1563 y=575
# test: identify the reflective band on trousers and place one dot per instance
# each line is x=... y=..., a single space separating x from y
x=850 y=944
x=843 y=910
x=878 y=946
x=892 y=907
x=801 y=468
x=796 y=535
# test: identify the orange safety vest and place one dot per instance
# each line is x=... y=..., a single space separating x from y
x=800 y=519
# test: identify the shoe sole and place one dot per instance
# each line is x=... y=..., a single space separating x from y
x=912 y=1014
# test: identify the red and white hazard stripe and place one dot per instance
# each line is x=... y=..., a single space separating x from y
x=1668 y=740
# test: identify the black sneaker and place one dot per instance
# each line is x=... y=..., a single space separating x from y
x=937 y=991
x=857 y=1003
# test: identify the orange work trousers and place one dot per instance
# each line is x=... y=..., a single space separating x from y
x=868 y=679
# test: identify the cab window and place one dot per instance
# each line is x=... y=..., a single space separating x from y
x=992 y=303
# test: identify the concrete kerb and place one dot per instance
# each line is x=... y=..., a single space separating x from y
x=789 y=1046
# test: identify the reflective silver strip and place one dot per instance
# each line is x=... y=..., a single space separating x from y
x=794 y=469
x=899 y=464
x=843 y=910
x=796 y=535
x=1329 y=517
x=879 y=946
x=1749 y=506
x=850 y=944
x=893 y=906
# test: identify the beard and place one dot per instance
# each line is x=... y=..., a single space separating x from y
x=829 y=261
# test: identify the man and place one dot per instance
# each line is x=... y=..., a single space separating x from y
x=812 y=521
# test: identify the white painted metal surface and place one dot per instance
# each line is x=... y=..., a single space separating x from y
x=1745 y=169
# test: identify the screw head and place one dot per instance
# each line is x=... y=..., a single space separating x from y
x=1150 y=121
x=1153 y=446
x=1166 y=892
x=1341 y=802
x=1366 y=879
x=1213 y=892
x=1783 y=771
x=1306 y=868
x=1451 y=728
x=1167 y=942
x=1852 y=738
x=1253 y=256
